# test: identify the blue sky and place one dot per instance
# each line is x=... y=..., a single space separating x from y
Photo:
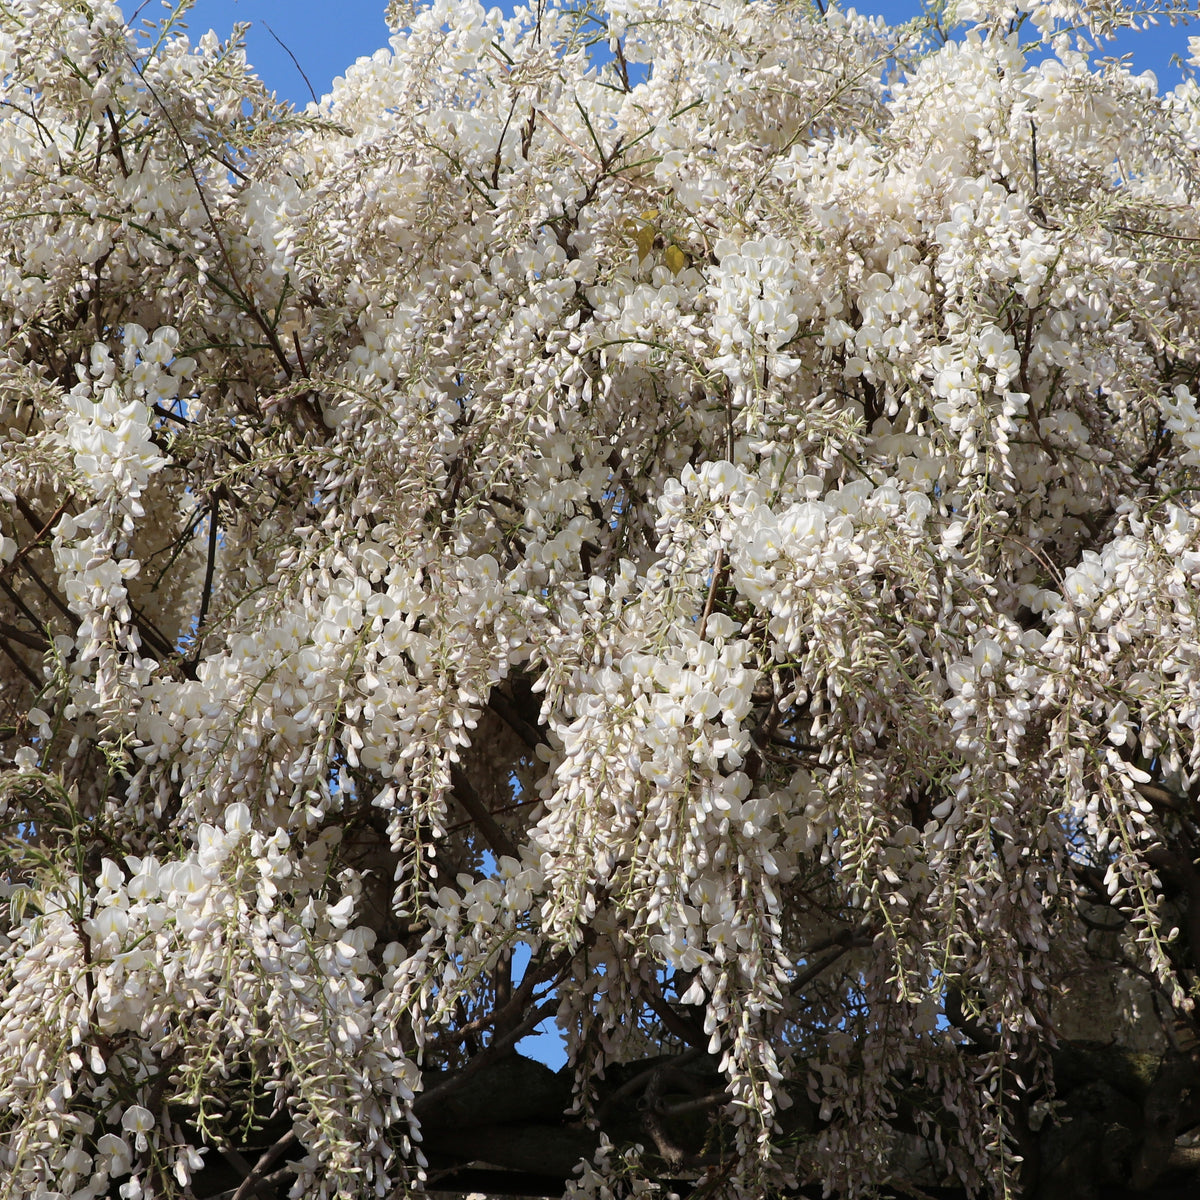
x=326 y=37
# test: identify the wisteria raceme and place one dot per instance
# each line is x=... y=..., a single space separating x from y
x=676 y=519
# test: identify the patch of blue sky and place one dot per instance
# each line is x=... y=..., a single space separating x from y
x=291 y=39
x=546 y=1043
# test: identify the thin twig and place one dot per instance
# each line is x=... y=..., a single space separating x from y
x=209 y=569
x=33 y=519
x=714 y=583
x=299 y=354
x=190 y=162
x=500 y=144
x=295 y=62
x=118 y=151
x=1033 y=148
x=168 y=415
x=623 y=66
x=500 y=1017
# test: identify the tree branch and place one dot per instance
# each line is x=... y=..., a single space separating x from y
x=20 y=663
x=257 y=1177
x=506 y=710
x=468 y=797
x=206 y=591
x=34 y=641
x=958 y=1017
x=495 y=1050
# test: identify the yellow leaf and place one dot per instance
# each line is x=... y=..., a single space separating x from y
x=676 y=259
x=645 y=240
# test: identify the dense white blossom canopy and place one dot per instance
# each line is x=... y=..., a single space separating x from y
x=674 y=516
